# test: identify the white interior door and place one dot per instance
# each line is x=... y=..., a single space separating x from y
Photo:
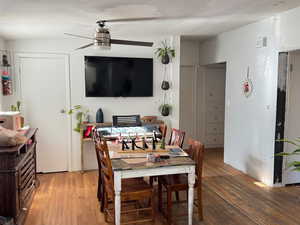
x=292 y=125
x=44 y=80
x=187 y=101
x=214 y=105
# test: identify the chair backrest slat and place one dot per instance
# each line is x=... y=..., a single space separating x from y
x=149 y=119
x=196 y=152
x=104 y=161
x=97 y=138
x=127 y=121
x=106 y=165
x=177 y=137
x=163 y=129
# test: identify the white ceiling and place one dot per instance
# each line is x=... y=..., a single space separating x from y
x=21 y=19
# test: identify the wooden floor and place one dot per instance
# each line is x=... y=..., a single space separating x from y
x=229 y=197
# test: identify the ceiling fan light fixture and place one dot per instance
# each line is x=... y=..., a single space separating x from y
x=103 y=41
x=101 y=46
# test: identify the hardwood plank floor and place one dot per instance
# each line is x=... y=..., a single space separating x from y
x=229 y=198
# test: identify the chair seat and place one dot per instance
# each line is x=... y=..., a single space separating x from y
x=134 y=185
x=175 y=182
x=134 y=189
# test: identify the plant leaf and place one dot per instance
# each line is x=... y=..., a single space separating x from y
x=79 y=115
x=296 y=169
x=293 y=164
x=283 y=154
x=77 y=107
x=288 y=141
x=296 y=151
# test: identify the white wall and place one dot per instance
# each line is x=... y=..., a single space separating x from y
x=189 y=75
x=2 y=44
x=249 y=122
x=288 y=30
x=189 y=52
x=110 y=106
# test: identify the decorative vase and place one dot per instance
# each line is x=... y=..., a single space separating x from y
x=165 y=111
x=165 y=59
x=165 y=85
x=99 y=116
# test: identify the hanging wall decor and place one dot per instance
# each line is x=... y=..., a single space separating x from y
x=7 y=87
x=165 y=54
x=247 y=85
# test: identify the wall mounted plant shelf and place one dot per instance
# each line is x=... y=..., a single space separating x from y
x=6 y=72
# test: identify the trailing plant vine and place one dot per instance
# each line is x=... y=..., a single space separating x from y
x=80 y=115
x=295 y=165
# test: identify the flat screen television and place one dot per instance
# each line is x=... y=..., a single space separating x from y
x=118 y=77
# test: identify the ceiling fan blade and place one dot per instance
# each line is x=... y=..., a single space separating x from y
x=85 y=46
x=79 y=36
x=125 y=42
x=143 y=19
x=133 y=19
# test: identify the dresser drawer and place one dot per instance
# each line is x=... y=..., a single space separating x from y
x=214 y=117
x=215 y=128
x=215 y=140
x=215 y=107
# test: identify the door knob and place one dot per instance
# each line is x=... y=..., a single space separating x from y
x=63 y=111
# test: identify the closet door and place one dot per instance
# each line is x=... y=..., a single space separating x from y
x=44 y=90
x=187 y=101
x=214 y=106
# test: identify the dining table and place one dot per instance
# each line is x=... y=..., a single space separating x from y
x=135 y=163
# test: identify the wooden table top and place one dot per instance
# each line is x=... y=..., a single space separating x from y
x=133 y=160
x=115 y=151
x=142 y=163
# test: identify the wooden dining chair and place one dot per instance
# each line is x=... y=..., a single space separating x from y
x=149 y=119
x=100 y=189
x=133 y=189
x=177 y=137
x=176 y=183
x=163 y=129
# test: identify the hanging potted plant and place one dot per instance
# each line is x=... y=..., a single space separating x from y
x=165 y=85
x=165 y=109
x=165 y=52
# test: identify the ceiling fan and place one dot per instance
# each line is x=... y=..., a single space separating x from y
x=102 y=37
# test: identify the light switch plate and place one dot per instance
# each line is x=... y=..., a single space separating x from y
x=261 y=42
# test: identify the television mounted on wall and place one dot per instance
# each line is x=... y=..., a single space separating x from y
x=118 y=77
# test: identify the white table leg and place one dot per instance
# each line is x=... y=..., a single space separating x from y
x=118 y=186
x=191 y=180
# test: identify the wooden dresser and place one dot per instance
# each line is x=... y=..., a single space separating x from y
x=18 y=178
